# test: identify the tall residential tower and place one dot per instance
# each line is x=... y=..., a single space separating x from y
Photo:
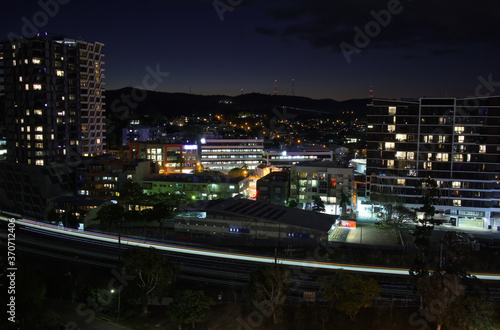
x=53 y=98
x=455 y=142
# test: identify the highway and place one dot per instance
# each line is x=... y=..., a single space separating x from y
x=105 y=241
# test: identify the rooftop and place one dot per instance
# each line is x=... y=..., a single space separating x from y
x=265 y=211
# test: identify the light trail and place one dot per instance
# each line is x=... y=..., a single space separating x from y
x=213 y=253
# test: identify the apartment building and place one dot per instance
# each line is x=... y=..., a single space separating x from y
x=53 y=98
x=455 y=142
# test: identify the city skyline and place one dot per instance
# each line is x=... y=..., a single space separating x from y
x=402 y=48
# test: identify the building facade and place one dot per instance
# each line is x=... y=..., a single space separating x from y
x=205 y=186
x=104 y=178
x=325 y=179
x=171 y=158
x=287 y=157
x=225 y=154
x=53 y=98
x=455 y=142
x=274 y=188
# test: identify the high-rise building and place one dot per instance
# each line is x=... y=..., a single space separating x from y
x=455 y=142
x=53 y=98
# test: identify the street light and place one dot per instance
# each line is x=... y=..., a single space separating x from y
x=119 y=291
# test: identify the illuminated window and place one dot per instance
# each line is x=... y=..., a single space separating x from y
x=392 y=110
x=482 y=148
x=39 y=129
x=37 y=87
x=459 y=129
x=36 y=61
x=27 y=112
x=391 y=128
x=389 y=146
x=401 y=182
x=455 y=184
x=60 y=73
x=39 y=162
x=38 y=137
x=457 y=202
x=400 y=137
x=20 y=79
x=14 y=62
x=390 y=163
x=461 y=139
x=27 y=87
x=26 y=61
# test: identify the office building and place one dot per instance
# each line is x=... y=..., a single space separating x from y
x=53 y=98
x=171 y=158
x=225 y=154
x=455 y=142
x=289 y=156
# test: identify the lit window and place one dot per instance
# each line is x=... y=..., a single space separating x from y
x=27 y=87
x=457 y=202
x=14 y=62
x=37 y=87
x=38 y=137
x=27 y=112
x=392 y=110
x=20 y=79
x=482 y=148
x=389 y=145
x=25 y=61
x=39 y=129
x=455 y=184
x=39 y=162
x=459 y=129
x=60 y=73
x=400 y=137
x=36 y=61
x=461 y=139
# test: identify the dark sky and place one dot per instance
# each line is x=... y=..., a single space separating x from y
x=428 y=48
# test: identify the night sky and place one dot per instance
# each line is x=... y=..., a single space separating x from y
x=429 y=48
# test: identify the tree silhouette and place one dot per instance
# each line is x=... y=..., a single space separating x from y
x=349 y=293
x=190 y=307
x=153 y=272
x=267 y=289
x=318 y=204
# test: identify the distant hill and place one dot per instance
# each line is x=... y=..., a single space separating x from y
x=168 y=104
x=157 y=105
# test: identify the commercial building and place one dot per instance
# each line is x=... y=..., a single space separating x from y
x=325 y=179
x=203 y=186
x=53 y=99
x=171 y=158
x=253 y=223
x=455 y=142
x=225 y=154
x=289 y=156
